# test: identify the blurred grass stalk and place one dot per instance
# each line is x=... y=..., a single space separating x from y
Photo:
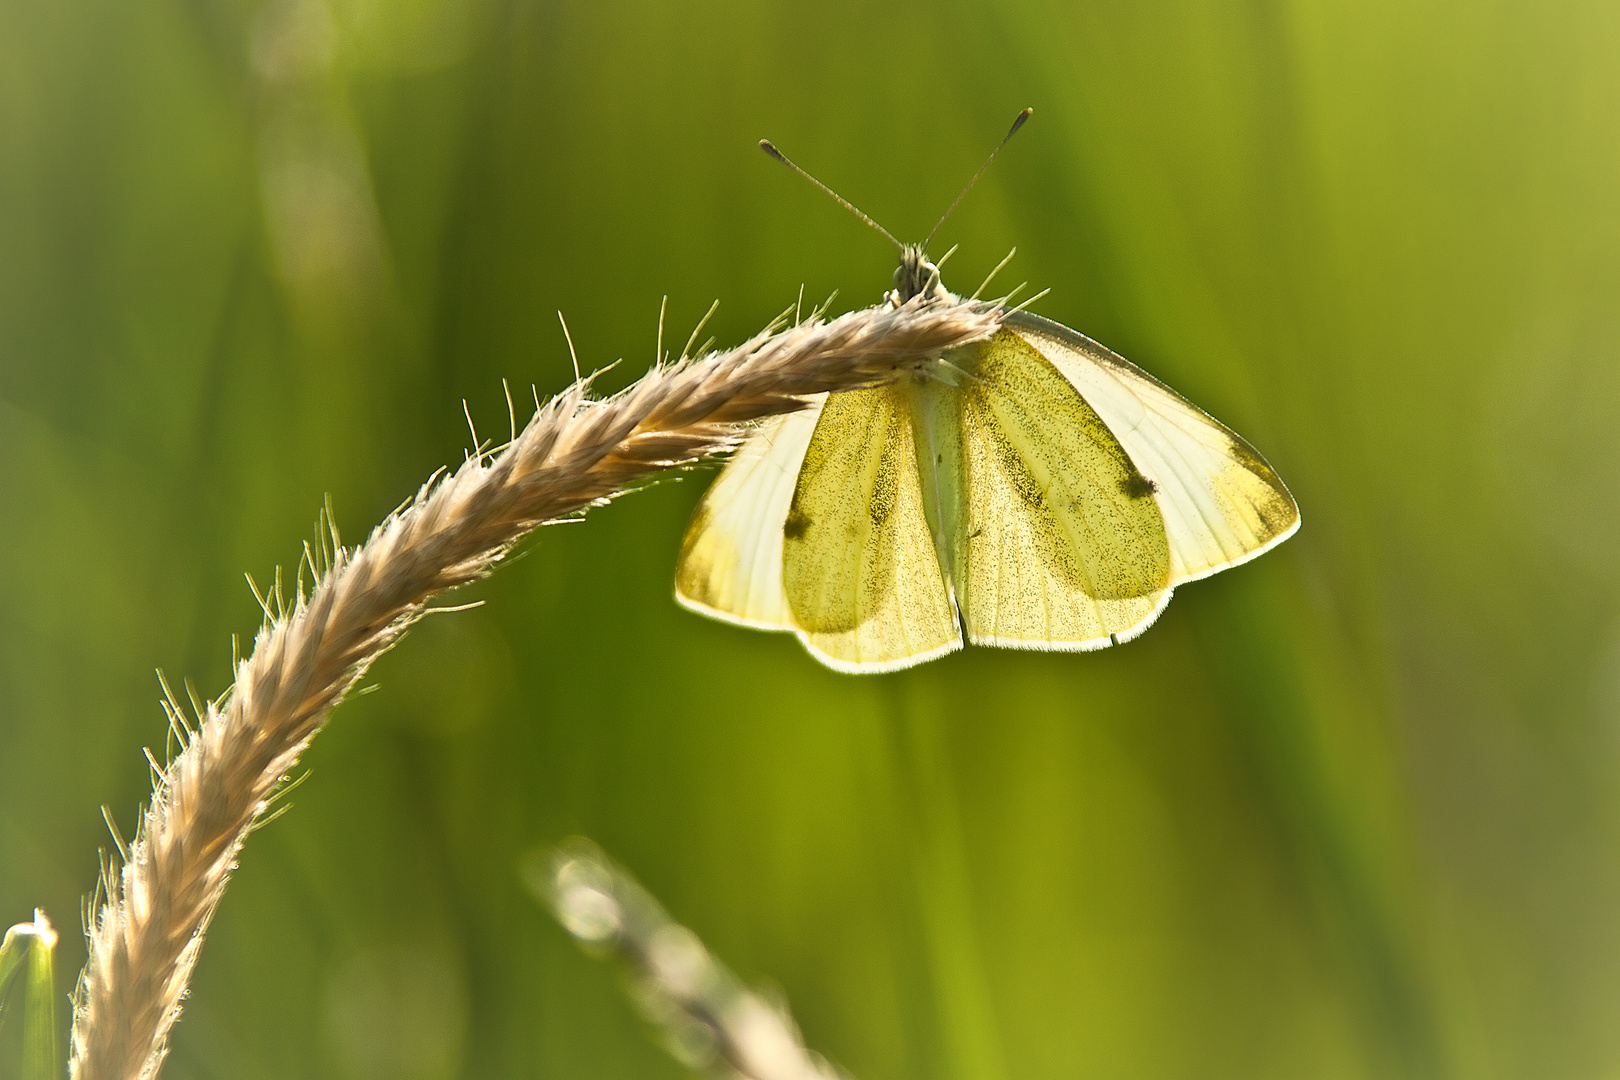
x=27 y=959
x=319 y=202
x=708 y=1018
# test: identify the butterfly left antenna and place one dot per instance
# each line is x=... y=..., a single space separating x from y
x=1018 y=123
x=767 y=146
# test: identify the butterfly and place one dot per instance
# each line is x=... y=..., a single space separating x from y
x=1031 y=491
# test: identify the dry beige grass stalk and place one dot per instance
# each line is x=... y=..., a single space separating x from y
x=709 y=1019
x=575 y=453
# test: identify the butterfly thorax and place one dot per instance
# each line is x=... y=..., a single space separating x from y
x=916 y=276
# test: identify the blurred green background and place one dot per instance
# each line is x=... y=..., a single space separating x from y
x=1349 y=811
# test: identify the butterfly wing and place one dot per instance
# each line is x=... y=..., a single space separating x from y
x=1060 y=544
x=1069 y=491
x=730 y=565
x=1222 y=503
x=859 y=567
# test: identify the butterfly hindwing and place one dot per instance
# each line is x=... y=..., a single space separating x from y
x=1061 y=543
x=1222 y=503
x=859 y=567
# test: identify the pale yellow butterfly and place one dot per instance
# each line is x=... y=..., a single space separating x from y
x=1033 y=491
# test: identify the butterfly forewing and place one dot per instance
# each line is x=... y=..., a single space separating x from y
x=731 y=560
x=1222 y=503
x=859 y=568
x=1061 y=544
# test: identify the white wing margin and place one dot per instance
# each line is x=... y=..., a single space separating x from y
x=730 y=565
x=1222 y=503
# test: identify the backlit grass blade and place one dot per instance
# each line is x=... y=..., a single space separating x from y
x=27 y=965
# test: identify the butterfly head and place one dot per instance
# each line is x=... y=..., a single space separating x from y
x=916 y=276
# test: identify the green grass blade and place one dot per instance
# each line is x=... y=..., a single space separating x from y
x=12 y=951
x=29 y=950
x=40 y=1059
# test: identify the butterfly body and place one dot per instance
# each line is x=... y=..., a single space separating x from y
x=1031 y=491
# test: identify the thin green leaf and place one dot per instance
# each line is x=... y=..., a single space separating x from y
x=40 y=1058
x=31 y=948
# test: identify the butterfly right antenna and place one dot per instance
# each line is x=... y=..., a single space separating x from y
x=1018 y=123
x=767 y=146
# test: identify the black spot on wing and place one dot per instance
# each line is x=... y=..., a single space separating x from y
x=1136 y=486
x=797 y=524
